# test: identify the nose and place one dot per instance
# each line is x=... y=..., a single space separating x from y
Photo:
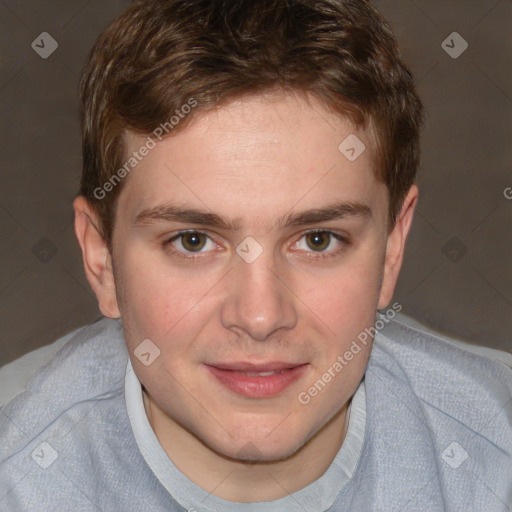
x=259 y=298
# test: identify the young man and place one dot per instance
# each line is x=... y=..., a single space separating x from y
x=247 y=191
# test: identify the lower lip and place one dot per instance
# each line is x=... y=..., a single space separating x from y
x=258 y=387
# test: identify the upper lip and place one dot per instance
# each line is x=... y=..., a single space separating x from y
x=243 y=366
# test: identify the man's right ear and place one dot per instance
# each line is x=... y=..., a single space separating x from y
x=96 y=257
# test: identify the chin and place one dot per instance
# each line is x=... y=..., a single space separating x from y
x=251 y=453
x=258 y=448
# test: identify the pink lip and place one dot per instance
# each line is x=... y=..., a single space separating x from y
x=257 y=386
x=244 y=366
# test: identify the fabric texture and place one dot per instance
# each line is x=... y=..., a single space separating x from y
x=436 y=436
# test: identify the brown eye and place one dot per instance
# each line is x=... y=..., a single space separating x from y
x=318 y=241
x=191 y=246
x=193 y=241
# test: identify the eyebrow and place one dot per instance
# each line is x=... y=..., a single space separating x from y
x=173 y=213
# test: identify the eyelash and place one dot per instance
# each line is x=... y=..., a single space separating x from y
x=191 y=256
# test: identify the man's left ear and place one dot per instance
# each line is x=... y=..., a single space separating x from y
x=395 y=248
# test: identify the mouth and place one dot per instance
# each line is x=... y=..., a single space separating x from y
x=257 y=381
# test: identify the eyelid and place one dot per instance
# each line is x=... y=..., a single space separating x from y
x=168 y=241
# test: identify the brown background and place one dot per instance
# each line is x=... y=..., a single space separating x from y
x=457 y=275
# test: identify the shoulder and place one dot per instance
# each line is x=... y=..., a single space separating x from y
x=454 y=385
x=431 y=356
x=439 y=424
x=89 y=366
x=66 y=440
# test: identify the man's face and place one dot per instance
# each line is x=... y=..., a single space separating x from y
x=265 y=293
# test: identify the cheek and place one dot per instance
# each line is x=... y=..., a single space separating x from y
x=345 y=299
x=158 y=301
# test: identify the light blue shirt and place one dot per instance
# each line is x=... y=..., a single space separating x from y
x=430 y=429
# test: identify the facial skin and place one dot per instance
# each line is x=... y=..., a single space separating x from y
x=257 y=160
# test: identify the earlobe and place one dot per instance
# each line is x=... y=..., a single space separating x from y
x=96 y=257
x=395 y=248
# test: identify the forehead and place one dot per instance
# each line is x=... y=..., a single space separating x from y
x=258 y=156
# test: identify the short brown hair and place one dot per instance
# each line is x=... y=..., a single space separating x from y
x=161 y=54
